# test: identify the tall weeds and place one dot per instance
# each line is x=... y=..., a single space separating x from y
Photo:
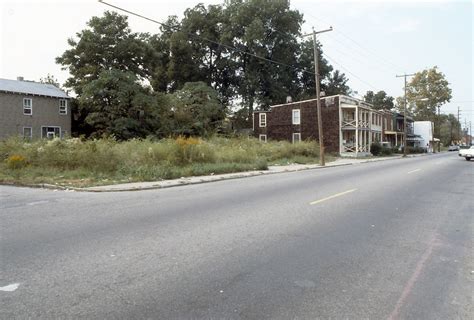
x=141 y=160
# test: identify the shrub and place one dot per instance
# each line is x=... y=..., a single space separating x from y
x=16 y=162
x=375 y=148
x=413 y=150
x=386 y=151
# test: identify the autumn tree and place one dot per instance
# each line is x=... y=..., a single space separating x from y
x=428 y=90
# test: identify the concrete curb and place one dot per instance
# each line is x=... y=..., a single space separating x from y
x=139 y=186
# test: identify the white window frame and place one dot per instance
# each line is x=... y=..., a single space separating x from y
x=262 y=116
x=28 y=106
x=62 y=108
x=262 y=138
x=296 y=134
x=31 y=132
x=296 y=120
x=47 y=133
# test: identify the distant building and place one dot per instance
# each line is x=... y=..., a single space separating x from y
x=33 y=110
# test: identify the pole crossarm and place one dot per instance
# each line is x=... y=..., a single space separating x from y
x=317 y=32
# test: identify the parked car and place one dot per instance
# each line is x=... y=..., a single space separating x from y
x=453 y=148
x=467 y=153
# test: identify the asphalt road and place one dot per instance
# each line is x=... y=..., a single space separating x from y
x=384 y=240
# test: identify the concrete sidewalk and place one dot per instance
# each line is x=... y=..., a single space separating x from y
x=135 y=186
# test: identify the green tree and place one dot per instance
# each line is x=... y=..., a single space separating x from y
x=107 y=43
x=427 y=91
x=336 y=83
x=380 y=100
x=50 y=79
x=449 y=129
x=196 y=110
x=269 y=29
x=116 y=104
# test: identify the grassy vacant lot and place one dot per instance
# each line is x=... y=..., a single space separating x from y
x=76 y=162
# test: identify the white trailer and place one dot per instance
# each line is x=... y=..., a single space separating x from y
x=425 y=129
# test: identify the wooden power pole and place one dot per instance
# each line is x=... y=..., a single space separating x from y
x=405 y=113
x=318 y=100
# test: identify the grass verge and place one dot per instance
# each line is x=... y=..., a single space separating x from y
x=81 y=163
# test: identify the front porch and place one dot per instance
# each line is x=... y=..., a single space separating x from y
x=355 y=131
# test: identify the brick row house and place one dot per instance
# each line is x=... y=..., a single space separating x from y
x=350 y=125
x=33 y=110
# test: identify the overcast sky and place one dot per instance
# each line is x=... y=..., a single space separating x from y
x=372 y=41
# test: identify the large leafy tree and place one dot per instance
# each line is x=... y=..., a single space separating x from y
x=379 y=100
x=107 y=43
x=116 y=104
x=449 y=129
x=427 y=91
x=199 y=48
x=269 y=29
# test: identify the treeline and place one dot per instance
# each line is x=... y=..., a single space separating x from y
x=196 y=74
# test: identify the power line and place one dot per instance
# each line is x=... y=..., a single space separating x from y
x=348 y=71
x=397 y=68
x=206 y=39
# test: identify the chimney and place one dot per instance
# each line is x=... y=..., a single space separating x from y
x=20 y=78
x=288 y=99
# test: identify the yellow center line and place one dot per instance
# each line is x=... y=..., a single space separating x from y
x=414 y=171
x=332 y=197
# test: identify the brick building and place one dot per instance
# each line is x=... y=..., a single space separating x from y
x=349 y=125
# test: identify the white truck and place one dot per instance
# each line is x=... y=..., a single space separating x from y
x=467 y=153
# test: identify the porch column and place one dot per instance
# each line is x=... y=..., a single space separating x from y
x=357 y=129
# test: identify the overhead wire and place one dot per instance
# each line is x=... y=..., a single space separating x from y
x=351 y=73
x=340 y=65
x=384 y=60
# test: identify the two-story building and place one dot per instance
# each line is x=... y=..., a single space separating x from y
x=350 y=125
x=33 y=110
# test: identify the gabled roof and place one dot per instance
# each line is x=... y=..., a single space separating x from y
x=33 y=88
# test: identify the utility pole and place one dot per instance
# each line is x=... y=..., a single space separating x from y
x=439 y=131
x=405 y=113
x=318 y=101
x=470 y=134
x=466 y=131
x=459 y=123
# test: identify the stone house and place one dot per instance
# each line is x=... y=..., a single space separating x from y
x=350 y=125
x=33 y=110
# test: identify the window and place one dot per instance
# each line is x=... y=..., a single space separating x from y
x=296 y=116
x=263 y=119
x=262 y=138
x=63 y=106
x=27 y=132
x=27 y=106
x=50 y=132
x=296 y=137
